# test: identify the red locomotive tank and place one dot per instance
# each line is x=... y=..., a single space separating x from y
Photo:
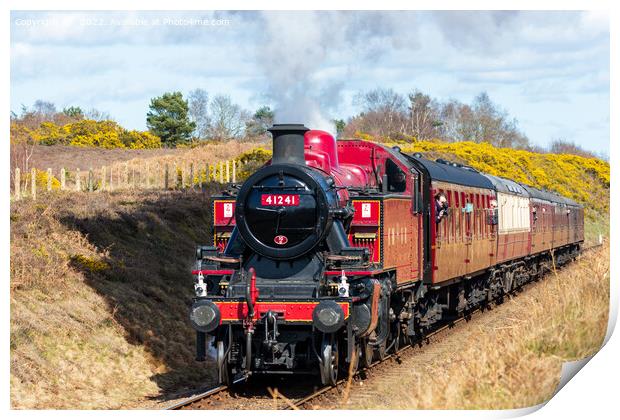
x=321 y=152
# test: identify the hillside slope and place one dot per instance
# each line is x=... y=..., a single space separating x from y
x=585 y=180
x=100 y=291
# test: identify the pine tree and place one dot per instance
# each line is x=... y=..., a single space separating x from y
x=169 y=120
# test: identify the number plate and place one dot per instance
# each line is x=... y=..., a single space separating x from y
x=279 y=200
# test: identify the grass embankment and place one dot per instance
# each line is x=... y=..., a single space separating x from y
x=514 y=360
x=100 y=290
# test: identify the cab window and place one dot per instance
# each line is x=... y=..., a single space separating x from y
x=397 y=179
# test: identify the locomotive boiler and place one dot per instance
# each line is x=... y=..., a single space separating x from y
x=334 y=254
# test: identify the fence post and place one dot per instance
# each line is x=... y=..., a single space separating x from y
x=90 y=180
x=49 y=179
x=221 y=172
x=102 y=178
x=234 y=170
x=78 y=181
x=63 y=178
x=18 y=184
x=33 y=183
x=166 y=176
x=191 y=175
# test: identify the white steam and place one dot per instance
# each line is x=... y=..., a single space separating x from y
x=298 y=46
x=302 y=53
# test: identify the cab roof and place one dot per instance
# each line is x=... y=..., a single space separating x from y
x=507 y=186
x=549 y=196
x=454 y=173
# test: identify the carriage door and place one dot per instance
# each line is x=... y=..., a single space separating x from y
x=468 y=211
x=491 y=227
x=415 y=226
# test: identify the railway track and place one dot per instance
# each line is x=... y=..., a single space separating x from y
x=271 y=398
x=343 y=386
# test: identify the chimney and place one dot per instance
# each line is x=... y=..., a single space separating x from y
x=288 y=143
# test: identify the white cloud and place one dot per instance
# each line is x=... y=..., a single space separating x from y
x=541 y=66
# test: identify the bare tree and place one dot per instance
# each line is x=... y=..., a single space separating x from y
x=95 y=114
x=423 y=116
x=22 y=148
x=448 y=116
x=227 y=118
x=383 y=112
x=46 y=110
x=199 y=111
x=563 y=146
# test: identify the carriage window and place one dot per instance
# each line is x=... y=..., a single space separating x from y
x=397 y=180
x=450 y=221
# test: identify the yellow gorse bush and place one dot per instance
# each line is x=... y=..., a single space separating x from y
x=585 y=180
x=91 y=133
x=252 y=160
x=41 y=180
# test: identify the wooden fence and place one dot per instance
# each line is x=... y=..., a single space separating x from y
x=123 y=176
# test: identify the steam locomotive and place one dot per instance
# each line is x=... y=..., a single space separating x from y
x=335 y=253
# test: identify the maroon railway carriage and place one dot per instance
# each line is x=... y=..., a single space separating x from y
x=333 y=253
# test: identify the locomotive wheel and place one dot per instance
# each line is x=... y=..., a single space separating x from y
x=223 y=367
x=367 y=353
x=329 y=360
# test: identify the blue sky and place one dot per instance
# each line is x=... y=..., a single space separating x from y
x=550 y=70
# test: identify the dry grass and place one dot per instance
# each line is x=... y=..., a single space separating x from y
x=513 y=359
x=100 y=289
x=72 y=157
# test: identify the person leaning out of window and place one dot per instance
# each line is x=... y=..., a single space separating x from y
x=441 y=207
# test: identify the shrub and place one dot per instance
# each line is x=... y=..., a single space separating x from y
x=89 y=133
x=140 y=140
x=252 y=160
x=41 y=180
x=94 y=265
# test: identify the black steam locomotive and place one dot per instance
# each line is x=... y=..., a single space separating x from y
x=333 y=253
